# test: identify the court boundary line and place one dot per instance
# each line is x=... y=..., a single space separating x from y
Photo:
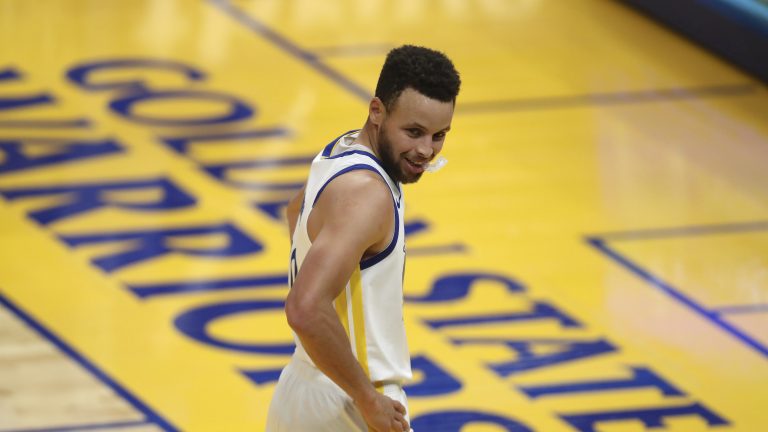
x=83 y=427
x=600 y=242
x=688 y=230
x=606 y=99
x=441 y=249
x=151 y=417
x=742 y=309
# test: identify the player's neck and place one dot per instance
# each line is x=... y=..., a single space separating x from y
x=367 y=138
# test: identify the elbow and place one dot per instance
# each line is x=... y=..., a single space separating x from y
x=298 y=315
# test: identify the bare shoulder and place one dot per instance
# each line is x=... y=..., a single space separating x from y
x=356 y=202
x=359 y=187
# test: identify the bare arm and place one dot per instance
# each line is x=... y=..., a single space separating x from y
x=353 y=214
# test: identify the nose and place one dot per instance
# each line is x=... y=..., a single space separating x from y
x=424 y=149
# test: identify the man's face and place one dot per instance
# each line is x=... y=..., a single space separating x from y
x=412 y=134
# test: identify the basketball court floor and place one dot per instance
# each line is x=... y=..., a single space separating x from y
x=593 y=257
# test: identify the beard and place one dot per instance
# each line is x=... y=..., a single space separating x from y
x=393 y=163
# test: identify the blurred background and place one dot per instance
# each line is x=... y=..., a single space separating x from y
x=593 y=257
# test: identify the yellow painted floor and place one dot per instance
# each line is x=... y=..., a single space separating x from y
x=594 y=257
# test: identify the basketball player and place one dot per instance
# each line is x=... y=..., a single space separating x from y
x=345 y=304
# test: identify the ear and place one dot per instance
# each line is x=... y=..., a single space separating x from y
x=376 y=111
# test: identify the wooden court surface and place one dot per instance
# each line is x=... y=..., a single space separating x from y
x=594 y=256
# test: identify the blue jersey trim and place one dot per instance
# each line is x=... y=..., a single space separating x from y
x=329 y=148
x=368 y=262
x=373 y=158
x=343 y=171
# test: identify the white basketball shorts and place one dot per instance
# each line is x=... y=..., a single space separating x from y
x=305 y=400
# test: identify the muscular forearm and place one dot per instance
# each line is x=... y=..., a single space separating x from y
x=353 y=216
x=326 y=342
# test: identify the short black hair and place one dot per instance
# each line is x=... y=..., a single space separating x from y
x=427 y=71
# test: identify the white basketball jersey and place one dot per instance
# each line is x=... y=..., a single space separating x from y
x=371 y=305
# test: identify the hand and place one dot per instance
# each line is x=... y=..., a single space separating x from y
x=383 y=414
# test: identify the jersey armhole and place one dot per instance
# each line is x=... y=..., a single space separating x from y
x=370 y=261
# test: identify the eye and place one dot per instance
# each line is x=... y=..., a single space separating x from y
x=413 y=132
x=438 y=136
